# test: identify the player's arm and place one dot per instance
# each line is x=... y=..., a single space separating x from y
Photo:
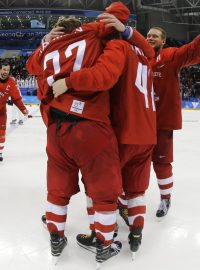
x=101 y=77
x=128 y=33
x=17 y=98
x=33 y=64
x=188 y=54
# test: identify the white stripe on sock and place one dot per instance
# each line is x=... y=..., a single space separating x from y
x=56 y=209
x=138 y=201
x=132 y=219
x=105 y=219
x=107 y=236
x=60 y=225
x=165 y=191
x=165 y=181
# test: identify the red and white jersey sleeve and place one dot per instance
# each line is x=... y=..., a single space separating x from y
x=8 y=89
x=186 y=55
x=132 y=104
x=166 y=67
x=138 y=40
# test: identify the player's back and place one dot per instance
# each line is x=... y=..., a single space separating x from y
x=132 y=105
x=69 y=53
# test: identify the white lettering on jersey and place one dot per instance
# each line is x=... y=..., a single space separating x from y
x=77 y=106
x=157 y=74
x=55 y=57
x=79 y=29
x=141 y=83
x=56 y=65
x=138 y=51
x=80 y=53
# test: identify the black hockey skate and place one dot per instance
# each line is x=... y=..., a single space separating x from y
x=134 y=240
x=44 y=221
x=1 y=158
x=13 y=122
x=57 y=245
x=163 y=208
x=123 y=213
x=20 y=122
x=89 y=241
x=103 y=253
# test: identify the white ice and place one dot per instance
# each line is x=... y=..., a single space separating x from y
x=173 y=243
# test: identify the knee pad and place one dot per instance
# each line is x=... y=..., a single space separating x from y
x=162 y=171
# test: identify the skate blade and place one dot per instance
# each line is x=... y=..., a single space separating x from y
x=88 y=248
x=44 y=226
x=159 y=219
x=98 y=265
x=55 y=259
x=133 y=256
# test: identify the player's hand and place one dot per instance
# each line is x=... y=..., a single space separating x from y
x=111 y=21
x=25 y=112
x=54 y=33
x=59 y=87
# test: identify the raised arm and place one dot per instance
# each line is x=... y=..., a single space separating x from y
x=101 y=77
x=130 y=34
x=188 y=54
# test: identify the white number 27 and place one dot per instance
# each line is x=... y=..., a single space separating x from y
x=55 y=57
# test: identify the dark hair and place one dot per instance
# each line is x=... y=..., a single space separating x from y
x=163 y=32
x=69 y=24
x=4 y=63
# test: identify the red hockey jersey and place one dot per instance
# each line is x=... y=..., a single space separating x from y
x=9 y=88
x=132 y=104
x=166 y=67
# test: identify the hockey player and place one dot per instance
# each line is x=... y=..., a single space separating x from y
x=134 y=120
x=166 y=66
x=76 y=121
x=8 y=88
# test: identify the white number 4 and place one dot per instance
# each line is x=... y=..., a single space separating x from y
x=141 y=83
